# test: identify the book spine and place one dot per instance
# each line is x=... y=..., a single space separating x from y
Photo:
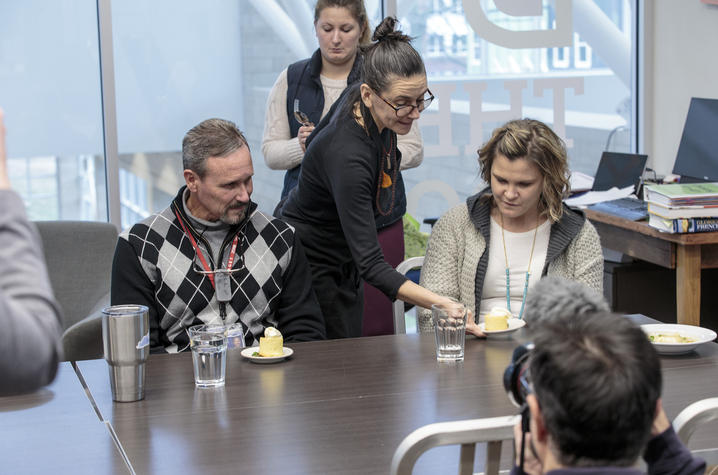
x=695 y=225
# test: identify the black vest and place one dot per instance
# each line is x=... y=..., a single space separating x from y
x=303 y=83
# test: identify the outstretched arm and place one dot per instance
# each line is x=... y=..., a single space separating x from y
x=30 y=346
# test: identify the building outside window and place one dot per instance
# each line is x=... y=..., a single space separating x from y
x=177 y=63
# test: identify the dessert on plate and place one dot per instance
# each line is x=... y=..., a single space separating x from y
x=271 y=343
x=497 y=319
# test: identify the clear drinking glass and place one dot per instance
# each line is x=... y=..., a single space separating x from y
x=209 y=354
x=449 y=330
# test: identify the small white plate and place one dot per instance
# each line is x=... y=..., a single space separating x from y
x=514 y=324
x=702 y=335
x=249 y=354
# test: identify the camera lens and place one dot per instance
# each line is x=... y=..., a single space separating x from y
x=515 y=382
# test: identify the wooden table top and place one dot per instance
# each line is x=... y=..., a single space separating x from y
x=338 y=406
x=643 y=227
x=56 y=430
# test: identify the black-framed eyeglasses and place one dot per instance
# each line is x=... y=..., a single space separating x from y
x=403 y=111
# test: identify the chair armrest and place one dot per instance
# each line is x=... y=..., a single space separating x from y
x=83 y=340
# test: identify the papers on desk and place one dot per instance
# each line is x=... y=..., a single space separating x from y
x=593 y=197
x=580 y=182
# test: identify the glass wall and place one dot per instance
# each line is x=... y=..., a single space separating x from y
x=565 y=62
x=50 y=91
x=176 y=63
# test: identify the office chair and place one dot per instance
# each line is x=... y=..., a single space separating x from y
x=398 y=308
x=693 y=416
x=79 y=262
x=467 y=433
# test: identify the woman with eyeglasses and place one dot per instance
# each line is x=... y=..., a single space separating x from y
x=351 y=181
x=303 y=94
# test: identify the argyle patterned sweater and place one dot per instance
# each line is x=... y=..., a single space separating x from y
x=155 y=262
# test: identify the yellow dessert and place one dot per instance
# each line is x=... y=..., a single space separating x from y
x=497 y=319
x=271 y=343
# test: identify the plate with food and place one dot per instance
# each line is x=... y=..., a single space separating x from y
x=499 y=322
x=253 y=355
x=270 y=349
x=675 y=339
x=512 y=324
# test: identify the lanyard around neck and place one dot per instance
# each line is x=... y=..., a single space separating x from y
x=199 y=253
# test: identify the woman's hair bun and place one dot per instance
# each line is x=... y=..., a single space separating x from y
x=386 y=32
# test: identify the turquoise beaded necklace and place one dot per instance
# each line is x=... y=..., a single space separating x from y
x=528 y=269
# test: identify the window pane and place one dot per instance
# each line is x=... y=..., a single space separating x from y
x=582 y=87
x=180 y=62
x=50 y=90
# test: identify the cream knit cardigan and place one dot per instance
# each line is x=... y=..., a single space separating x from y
x=453 y=264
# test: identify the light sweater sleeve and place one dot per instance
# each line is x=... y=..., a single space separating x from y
x=411 y=147
x=440 y=272
x=588 y=258
x=281 y=152
x=30 y=346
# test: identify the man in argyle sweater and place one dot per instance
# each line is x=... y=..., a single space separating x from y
x=212 y=257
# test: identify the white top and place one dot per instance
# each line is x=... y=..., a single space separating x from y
x=281 y=152
x=518 y=249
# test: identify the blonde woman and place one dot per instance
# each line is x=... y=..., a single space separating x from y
x=491 y=250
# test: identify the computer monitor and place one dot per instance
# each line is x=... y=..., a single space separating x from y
x=697 y=158
x=619 y=170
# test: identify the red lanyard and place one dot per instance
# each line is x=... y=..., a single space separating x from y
x=197 y=249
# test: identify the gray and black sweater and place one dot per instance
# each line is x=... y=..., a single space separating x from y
x=155 y=265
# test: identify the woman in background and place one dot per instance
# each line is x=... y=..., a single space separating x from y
x=311 y=86
x=489 y=251
x=350 y=180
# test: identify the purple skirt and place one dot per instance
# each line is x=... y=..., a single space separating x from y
x=378 y=315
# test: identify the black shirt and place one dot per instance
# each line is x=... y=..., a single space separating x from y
x=333 y=206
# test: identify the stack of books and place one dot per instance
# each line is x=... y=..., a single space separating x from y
x=683 y=208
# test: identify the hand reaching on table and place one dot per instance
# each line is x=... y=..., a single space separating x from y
x=472 y=328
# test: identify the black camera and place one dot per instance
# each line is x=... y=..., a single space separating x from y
x=517 y=381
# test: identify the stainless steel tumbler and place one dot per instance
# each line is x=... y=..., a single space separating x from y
x=126 y=341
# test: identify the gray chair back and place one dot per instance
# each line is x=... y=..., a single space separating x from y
x=79 y=262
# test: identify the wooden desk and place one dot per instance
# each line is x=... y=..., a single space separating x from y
x=56 y=430
x=686 y=253
x=338 y=406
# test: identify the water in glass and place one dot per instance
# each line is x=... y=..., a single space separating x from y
x=449 y=331
x=209 y=355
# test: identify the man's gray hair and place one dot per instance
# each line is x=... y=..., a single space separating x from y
x=210 y=138
x=553 y=297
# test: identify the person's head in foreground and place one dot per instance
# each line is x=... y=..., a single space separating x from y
x=394 y=88
x=555 y=297
x=526 y=165
x=218 y=171
x=596 y=382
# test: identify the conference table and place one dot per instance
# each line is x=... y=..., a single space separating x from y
x=340 y=406
x=56 y=430
x=686 y=253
